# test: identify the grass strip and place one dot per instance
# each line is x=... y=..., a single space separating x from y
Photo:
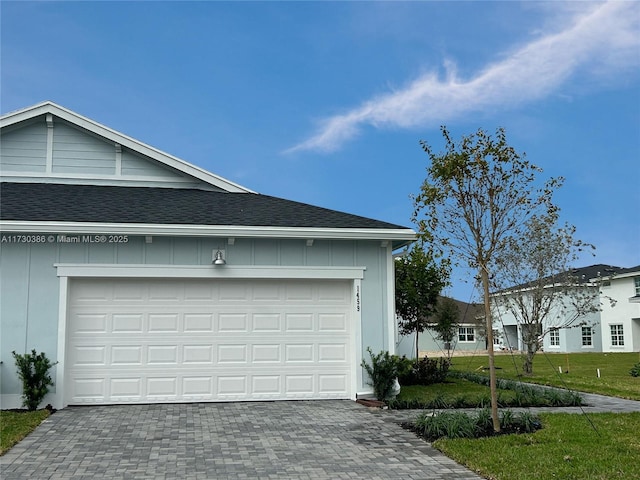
x=567 y=447
x=14 y=426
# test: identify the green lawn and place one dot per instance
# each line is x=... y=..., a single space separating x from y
x=580 y=371
x=566 y=448
x=14 y=426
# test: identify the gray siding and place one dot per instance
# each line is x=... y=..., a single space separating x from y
x=77 y=154
x=136 y=165
x=29 y=285
x=24 y=150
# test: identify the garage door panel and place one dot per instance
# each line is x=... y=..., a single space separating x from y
x=125 y=388
x=299 y=385
x=89 y=390
x=265 y=292
x=164 y=292
x=266 y=353
x=127 y=323
x=332 y=352
x=266 y=322
x=233 y=292
x=205 y=340
x=197 y=386
x=329 y=384
x=91 y=355
x=296 y=353
x=162 y=354
x=198 y=322
x=166 y=387
x=299 y=322
x=127 y=293
x=233 y=322
x=197 y=354
x=126 y=355
x=163 y=322
x=232 y=354
x=332 y=322
x=235 y=386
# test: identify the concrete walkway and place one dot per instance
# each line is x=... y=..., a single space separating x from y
x=319 y=440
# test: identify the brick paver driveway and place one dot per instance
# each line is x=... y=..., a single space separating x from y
x=280 y=440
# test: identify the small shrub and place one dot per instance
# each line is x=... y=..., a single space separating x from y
x=461 y=425
x=528 y=423
x=33 y=370
x=484 y=423
x=484 y=401
x=635 y=370
x=459 y=401
x=383 y=371
x=507 y=420
x=427 y=371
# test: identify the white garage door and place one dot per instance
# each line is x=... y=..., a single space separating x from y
x=188 y=340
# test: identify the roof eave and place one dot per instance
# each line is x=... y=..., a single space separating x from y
x=397 y=237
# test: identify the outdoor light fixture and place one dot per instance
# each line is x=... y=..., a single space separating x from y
x=218 y=258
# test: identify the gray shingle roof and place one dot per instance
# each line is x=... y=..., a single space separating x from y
x=115 y=204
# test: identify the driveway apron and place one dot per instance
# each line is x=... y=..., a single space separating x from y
x=259 y=440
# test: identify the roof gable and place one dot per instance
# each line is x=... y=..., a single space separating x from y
x=64 y=173
x=48 y=143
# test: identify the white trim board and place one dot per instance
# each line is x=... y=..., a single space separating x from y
x=236 y=231
x=208 y=271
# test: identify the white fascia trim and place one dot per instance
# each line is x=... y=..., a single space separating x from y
x=88 y=228
x=616 y=276
x=207 y=271
x=124 y=140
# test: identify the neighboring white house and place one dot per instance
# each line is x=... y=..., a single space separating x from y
x=620 y=317
x=149 y=279
x=561 y=331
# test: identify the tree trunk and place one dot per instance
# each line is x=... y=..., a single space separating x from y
x=492 y=368
x=527 y=365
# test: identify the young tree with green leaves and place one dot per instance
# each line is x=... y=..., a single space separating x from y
x=445 y=321
x=477 y=195
x=419 y=281
x=536 y=284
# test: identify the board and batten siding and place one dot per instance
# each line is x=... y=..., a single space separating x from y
x=57 y=150
x=30 y=287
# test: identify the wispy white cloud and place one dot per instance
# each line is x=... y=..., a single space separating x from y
x=599 y=43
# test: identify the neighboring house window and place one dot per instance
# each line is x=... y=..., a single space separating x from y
x=587 y=337
x=554 y=337
x=466 y=334
x=617 y=335
x=636 y=280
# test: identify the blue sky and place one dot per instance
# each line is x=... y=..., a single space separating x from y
x=325 y=102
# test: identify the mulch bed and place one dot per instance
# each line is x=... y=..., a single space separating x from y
x=367 y=402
